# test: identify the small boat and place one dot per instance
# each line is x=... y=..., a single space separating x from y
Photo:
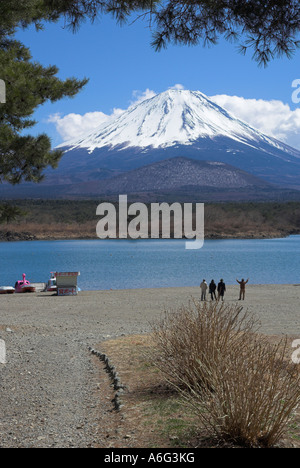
x=52 y=285
x=24 y=286
x=7 y=290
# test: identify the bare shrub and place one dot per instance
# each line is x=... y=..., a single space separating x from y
x=192 y=341
x=253 y=395
x=240 y=386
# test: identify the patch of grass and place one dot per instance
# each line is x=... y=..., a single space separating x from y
x=171 y=423
x=151 y=407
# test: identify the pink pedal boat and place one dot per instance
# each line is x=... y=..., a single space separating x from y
x=24 y=286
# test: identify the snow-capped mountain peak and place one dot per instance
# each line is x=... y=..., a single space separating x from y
x=174 y=117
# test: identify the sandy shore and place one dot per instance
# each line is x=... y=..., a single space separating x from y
x=50 y=388
x=98 y=314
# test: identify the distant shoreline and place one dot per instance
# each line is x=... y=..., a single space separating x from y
x=28 y=237
x=77 y=220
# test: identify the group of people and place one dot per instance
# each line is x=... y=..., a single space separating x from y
x=220 y=289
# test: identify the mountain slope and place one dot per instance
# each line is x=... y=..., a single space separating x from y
x=184 y=180
x=177 y=174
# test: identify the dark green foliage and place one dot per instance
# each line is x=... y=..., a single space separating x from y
x=10 y=213
x=16 y=13
x=270 y=28
x=28 y=85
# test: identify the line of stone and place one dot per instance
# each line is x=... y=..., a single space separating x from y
x=114 y=376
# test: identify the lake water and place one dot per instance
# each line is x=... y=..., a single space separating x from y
x=125 y=264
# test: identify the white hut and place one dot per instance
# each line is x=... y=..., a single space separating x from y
x=67 y=283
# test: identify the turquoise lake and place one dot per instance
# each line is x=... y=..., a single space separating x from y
x=126 y=264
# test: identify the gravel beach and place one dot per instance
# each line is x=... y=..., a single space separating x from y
x=51 y=386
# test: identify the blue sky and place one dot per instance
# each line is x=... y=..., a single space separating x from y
x=122 y=65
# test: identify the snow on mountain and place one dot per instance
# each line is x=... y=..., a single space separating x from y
x=174 y=117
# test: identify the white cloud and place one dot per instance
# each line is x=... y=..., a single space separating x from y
x=273 y=118
x=140 y=96
x=73 y=126
x=177 y=86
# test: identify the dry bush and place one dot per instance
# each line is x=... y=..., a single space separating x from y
x=192 y=341
x=253 y=396
x=240 y=386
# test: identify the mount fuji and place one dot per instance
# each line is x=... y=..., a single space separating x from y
x=172 y=118
x=172 y=125
x=179 y=123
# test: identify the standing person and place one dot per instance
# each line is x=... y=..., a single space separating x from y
x=203 y=287
x=212 y=290
x=242 y=284
x=221 y=289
